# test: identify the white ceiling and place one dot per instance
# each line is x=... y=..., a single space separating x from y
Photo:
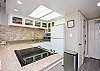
x=87 y=7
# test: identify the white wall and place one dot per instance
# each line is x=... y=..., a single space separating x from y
x=3 y=16
x=74 y=35
x=72 y=42
x=59 y=21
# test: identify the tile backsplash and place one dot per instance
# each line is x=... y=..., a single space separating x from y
x=14 y=33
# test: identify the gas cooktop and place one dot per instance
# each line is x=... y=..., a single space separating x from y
x=30 y=55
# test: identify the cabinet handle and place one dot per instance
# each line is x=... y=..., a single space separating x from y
x=80 y=44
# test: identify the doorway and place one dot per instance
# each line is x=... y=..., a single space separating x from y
x=94 y=39
x=97 y=40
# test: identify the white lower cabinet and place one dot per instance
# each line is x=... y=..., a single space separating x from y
x=55 y=67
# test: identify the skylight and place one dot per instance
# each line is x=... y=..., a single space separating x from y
x=51 y=16
x=40 y=11
x=44 y=13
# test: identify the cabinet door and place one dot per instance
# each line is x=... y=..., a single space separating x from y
x=28 y=22
x=44 y=24
x=57 y=67
x=17 y=20
x=57 y=31
x=52 y=24
x=49 y=25
x=38 y=23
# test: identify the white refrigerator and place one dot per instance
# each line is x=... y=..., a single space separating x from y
x=57 y=38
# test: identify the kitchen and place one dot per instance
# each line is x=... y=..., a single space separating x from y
x=28 y=50
x=44 y=36
x=29 y=43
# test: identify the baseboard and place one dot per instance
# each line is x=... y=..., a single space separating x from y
x=95 y=58
x=92 y=57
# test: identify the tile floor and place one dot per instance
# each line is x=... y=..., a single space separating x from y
x=90 y=64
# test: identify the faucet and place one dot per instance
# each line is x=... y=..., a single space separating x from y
x=52 y=51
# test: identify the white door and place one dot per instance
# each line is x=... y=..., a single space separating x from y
x=57 y=31
x=97 y=41
x=94 y=39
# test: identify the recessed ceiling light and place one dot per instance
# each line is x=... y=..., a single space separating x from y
x=40 y=11
x=15 y=10
x=98 y=4
x=51 y=16
x=19 y=2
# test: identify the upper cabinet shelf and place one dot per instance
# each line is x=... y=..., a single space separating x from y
x=27 y=22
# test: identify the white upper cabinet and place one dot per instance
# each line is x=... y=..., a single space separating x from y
x=44 y=25
x=26 y=22
x=15 y=20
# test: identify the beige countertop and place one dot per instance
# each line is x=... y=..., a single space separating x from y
x=10 y=62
